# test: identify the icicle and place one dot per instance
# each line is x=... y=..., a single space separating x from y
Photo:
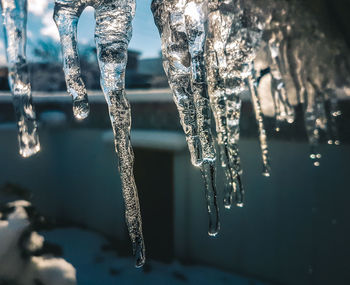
x=301 y=51
x=275 y=36
x=252 y=83
x=283 y=110
x=112 y=35
x=233 y=114
x=112 y=57
x=176 y=62
x=295 y=69
x=306 y=95
x=66 y=16
x=225 y=102
x=195 y=13
x=235 y=30
x=15 y=20
x=182 y=27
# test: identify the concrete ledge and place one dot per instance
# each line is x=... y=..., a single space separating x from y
x=155 y=110
x=96 y=96
x=153 y=139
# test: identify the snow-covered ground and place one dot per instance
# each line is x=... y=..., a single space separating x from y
x=27 y=257
x=20 y=260
x=97 y=267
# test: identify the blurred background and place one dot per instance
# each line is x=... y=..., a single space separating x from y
x=294 y=229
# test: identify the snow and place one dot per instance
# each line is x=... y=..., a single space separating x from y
x=18 y=269
x=35 y=242
x=54 y=271
x=83 y=250
x=84 y=262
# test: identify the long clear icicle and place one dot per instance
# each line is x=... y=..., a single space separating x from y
x=112 y=35
x=182 y=27
x=252 y=83
x=14 y=14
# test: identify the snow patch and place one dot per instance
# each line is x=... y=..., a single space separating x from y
x=16 y=239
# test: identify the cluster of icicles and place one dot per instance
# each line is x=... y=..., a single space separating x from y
x=213 y=51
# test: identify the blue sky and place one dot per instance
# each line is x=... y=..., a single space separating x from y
x=40 y=26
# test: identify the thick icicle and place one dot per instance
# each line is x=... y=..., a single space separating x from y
x=215 y=59
x=235 y=31
x=225 y=101
x=15 y=20
x=112 y=35
x=252 y=83
x=176 y=62
x=275 y=45
x=196 y=29
x=66 y=16
x=182 y=27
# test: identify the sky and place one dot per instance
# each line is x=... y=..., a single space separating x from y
x=40 y=26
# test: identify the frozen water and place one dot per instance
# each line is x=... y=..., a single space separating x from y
x=15 y=20
x=112 y=36
x=182 y=25
x=208 y=49
x=275 y=45
x=66 y=16
x=252 y=83
x=235 y=30
x=302 y=61
x=224 y=96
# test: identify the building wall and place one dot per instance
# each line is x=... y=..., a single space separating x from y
x=293 y=230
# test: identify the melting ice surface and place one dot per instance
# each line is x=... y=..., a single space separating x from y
x=112 y=36
x=183 y=28
x=235 y=30
x=15 y=20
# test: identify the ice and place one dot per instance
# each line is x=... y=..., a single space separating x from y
x=15 y=20
x=252 y=83
x=182 y=25
x=276 y=50
x=303 y=69
x=209 y=52
x=235 y=30
x=66 y=16
x=112 y=35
